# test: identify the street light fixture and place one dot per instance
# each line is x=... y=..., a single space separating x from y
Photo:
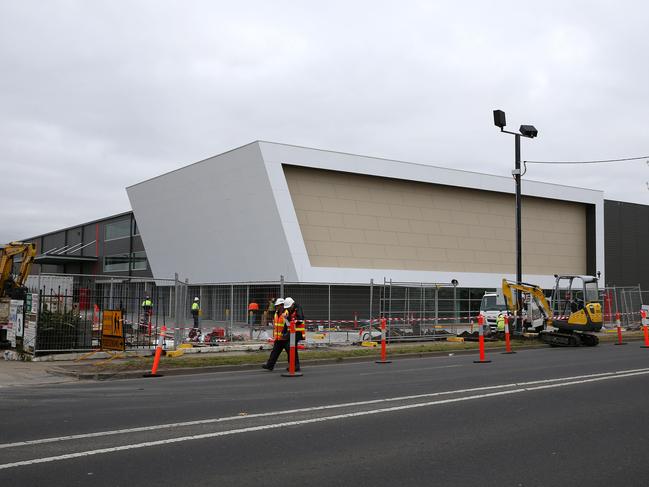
x=530 y=132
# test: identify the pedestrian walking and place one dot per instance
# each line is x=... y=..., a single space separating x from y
x=280 y=334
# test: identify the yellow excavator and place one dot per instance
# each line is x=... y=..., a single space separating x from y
x=14 y=286
x=575 y=312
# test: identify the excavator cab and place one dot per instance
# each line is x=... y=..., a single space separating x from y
x=13 y=286
x=575 y=304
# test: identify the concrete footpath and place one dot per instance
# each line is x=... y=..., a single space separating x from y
x=14 y=373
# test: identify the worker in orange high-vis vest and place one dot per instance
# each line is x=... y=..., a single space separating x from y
x=280 y=334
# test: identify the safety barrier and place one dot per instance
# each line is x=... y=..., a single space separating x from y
x=508 y=345
x=384 y=359
x=158 y=354
x=291 y=355
x=482 y=359
x=618 y=324
x=643 y=313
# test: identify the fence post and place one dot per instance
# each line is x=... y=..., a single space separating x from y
x=390 y=310
x=177 y=335
x=371 y=299
x=281 y=286
x=248 y=313
x=455 y=320
x=436 y=307
x=110 y=298
x=329 y=312
x=229 y=333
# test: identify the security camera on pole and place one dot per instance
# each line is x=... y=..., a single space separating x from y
x=530 y=132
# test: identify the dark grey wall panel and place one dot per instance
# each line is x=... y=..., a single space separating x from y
x=626 y=239
x=591 y=241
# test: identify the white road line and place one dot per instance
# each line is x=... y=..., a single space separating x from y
x=300 y=410
x=303 y=410
x=616 y=375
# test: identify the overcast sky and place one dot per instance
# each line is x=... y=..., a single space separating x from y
x=99 y=95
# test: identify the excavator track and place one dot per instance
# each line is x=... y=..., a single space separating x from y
x=562 y=339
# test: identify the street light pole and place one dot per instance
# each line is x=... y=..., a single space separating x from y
x=528 y=131
x=519 y=239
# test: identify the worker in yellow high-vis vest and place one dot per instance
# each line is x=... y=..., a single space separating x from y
x=196 y=311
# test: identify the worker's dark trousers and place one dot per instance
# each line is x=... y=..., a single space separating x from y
x=195 y=320
x=278 y=346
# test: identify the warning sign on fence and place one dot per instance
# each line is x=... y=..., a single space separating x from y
x=112 y=330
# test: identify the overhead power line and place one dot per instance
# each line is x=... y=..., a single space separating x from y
x=625 y=159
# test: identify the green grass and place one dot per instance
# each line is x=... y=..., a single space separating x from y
x=259 y=357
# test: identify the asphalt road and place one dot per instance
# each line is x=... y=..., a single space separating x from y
x=541 y=417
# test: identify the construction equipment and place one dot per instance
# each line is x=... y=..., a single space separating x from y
x=575 y=312
x=13 y=286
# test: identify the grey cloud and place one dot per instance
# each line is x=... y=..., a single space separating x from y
x=99 y=95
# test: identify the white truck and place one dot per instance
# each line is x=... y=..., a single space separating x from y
x=490 y=309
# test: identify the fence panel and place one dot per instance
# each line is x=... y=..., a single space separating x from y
x=70 y=316
x=624 y=300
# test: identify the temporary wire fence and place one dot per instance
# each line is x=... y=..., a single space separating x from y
x=71 y=309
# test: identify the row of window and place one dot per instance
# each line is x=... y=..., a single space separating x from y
x=120 y=229
x=135 y=261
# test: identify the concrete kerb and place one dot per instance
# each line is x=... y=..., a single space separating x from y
x=128 y=374
x=66 y=357
x=107 y=375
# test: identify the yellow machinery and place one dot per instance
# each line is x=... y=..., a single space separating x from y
x=14 y=286
x=574 y=314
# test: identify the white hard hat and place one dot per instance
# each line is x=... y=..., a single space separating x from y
x=196 y=298
x=288 y=302
x=279 y=301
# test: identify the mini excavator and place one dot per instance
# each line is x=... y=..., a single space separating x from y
x=574 y=313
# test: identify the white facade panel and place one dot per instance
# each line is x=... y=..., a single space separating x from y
x=213 y=221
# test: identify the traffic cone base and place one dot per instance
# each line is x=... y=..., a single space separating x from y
x=294 y=374
x=151 y=374
x=644 y=346
x=481 y=361
x=383 y=362
x=507 y=353
x=620 y=343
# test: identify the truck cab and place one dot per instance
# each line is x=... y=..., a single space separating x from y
x=490 y=309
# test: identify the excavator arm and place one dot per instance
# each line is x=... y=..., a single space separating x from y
x=534 y=291
x=7 y=254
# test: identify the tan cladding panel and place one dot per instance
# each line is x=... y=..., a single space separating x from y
x=352 y=220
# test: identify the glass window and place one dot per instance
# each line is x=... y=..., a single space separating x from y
x=116 y=263
x=139 y=261
x=118 y=229
x=592 y=294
